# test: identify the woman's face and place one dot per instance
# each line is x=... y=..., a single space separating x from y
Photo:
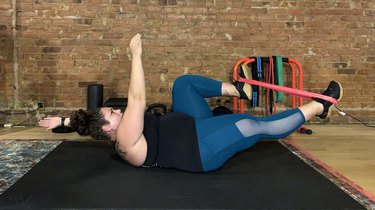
x=113 y=117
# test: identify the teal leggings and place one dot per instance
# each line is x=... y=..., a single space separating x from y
x=221 y=137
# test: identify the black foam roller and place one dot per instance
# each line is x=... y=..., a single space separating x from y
x=94 y=96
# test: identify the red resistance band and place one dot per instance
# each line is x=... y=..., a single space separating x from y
x=288 y=90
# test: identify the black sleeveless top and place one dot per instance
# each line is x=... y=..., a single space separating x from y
x=172 y=142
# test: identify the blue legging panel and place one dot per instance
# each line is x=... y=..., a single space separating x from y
x=219 y=138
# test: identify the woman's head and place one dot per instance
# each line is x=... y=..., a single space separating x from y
x=100 y=124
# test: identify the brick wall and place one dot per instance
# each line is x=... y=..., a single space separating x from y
x=63 y=45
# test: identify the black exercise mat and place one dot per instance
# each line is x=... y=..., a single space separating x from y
x=91 y=175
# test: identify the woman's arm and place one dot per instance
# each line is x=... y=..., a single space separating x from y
x=131 y=144
x=53 y=122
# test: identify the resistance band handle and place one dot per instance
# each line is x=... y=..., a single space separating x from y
x=288 y=90
x=278 y=69
x=267 y=59
x=259 y=67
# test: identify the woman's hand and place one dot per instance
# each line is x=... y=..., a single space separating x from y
x=136 y=45
x=50 y=122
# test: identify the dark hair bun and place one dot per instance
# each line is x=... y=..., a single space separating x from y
x=89 y=123
x=80 y=121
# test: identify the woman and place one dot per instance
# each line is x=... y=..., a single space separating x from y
x=190 y=138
